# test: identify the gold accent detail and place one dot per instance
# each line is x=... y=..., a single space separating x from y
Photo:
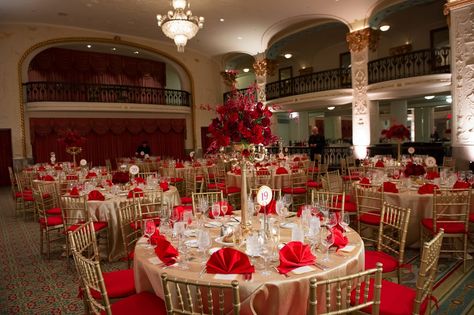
x=264 y=67
x=453 y=5
x=115 y=40
x=361 y=39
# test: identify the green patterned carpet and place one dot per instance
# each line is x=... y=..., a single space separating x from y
x=30 y=284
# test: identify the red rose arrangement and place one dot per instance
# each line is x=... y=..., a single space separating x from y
x=414 y=170
x=120 y=178
x=241 y=120
x=399 y=132
x=71 y=138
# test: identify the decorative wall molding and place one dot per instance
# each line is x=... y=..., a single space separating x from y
x=358 y=40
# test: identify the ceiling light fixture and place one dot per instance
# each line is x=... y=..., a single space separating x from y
x=288 y=56
x=136 y=52
x=221 y=19
x=245 y=69
x=429 y=97
x=179 y=25
x=89 y=46
x=114 y=49
x=331 y=107
x=384 y=27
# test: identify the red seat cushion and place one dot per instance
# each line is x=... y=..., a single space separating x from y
x=350 y=206
x=372 y=257
x=137 y=225
x=313 y=170
x=216 y=186
x=27 y=197
x=186 y=200
x=471 y=217
x=350 y=177
x=372 y=218
x=119 y=284
x=294 y=191
x=51 y=221
x=448 y=227
x=396 y=299
x=313 y=184
x=176 y=179
x=141 y=303
x=231 y=190
x=53 y=211
x=98 y=226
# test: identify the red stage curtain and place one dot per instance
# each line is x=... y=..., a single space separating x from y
x=108 y=138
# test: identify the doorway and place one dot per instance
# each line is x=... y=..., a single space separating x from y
x=6 y=156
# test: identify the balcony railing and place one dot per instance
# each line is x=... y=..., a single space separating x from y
x=77 y=92
x=416 y=63
x=309 y=83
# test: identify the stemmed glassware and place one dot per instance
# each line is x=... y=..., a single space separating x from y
x=344 y=220
x=266 y=252
x=216 y=211
x=204 y=243
x=150 y=229
x=179 y=229
x=281 y=210
x=288 y=200
x=332 y=220
x=327 y=240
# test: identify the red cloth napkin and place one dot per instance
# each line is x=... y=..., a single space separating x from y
x=109 y=182
x=164 y=186
x=179 y=211
x=91 y=175
x=379 y=163
x=432 y=175
x=138 y=191
x=58 y=168
x=263 y=171
x=281 y=170
x=237 y=171
x=165 y=251
x=461 y=185
x=294 y=255
x=340 y=240
x=179 y=165
x=48 y=178
x=270 y=208
x=41 y=168
x=427 y=189
x=229 y=261
x=364 y=181
x=296 y=159
x=74 y=191
x=120 y=178
x=230 y=209
x=196 y=164
x=390 y=187
x=71 y=177
x=139 y=180
x=95 y=195
x=155 y=237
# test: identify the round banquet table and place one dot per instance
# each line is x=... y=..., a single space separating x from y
x=107 y=210
x=277 y=181
x=271 y=294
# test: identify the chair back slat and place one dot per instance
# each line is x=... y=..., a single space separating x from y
x=127 y=215
x=74 y=210
x=334 y=201
x=211 y=197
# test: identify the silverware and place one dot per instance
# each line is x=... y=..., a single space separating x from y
x=235 y=219
x=283 y=274
x=321 y=266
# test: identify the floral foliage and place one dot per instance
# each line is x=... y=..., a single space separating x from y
x=71 y=138
x=241 y=120
x=120 y=178
x=399 y=132
x=414 y=170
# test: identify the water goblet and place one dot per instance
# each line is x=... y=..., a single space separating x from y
x=344 y=220
x=327 y=240
x=204 y=243
x=150 y=229
x=332 y=220
x=266 y=252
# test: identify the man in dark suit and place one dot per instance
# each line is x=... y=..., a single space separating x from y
x=316 y=143
x=143 y=149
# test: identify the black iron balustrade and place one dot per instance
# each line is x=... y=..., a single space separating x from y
x=416 y=63
x=333 y=153
x=309 y=83
x=77 y=92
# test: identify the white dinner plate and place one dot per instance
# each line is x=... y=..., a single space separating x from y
x=213 y=250
x=213 y=224
x=219 y=240
x=287 y=225
x=191 y=243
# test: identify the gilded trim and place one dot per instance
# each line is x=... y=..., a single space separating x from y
x=453 y=5
x=116 y=40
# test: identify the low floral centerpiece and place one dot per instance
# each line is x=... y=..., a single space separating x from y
x=398 y=133
x=73 y=142
x=413 y=169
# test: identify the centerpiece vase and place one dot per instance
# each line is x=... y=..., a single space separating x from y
x=74 y=151
x=244 y=223
x=399 y=145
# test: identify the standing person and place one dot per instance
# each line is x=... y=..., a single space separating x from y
x=316 y=143
x=143 y=149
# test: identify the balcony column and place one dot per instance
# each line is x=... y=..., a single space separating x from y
x=424 y=122
x=398 y=112
x=263 y=68
x=359 y=44
x=461 y=37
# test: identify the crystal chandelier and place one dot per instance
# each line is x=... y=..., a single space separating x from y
x=180 y=25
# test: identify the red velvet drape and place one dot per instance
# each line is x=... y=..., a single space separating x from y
x=108 y=138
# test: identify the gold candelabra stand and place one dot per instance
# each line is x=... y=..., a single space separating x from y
x=74 y=151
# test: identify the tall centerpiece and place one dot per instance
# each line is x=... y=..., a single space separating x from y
x=243 y=124
x=73 y=142
x=398 y=133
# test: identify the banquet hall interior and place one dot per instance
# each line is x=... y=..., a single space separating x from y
x=255 y=157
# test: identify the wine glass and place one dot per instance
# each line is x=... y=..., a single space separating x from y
x=344 y=220
x=281 y=210
x=179 y=229
x=332 y=220
x=216 y=210
x=266 y=252
x=288 y=200
x=327 y=240
x=187 y=218
x=150 y=229
x=204 y=243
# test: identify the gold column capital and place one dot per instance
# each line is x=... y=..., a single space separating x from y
x=363 y=38
x=264 y=67
x=456 y=4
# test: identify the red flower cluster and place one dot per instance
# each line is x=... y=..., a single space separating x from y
x=120 y=178
x=414 y=170
x=71 y=138
x=399 y=132
x=241 y=120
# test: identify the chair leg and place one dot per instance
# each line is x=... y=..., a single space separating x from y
x=41 y=241
x=48 y=245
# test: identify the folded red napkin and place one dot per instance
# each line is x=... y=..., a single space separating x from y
x=461 y=185
x=379 y=163
x=164 y=186
x=109 y=182
x=41 y=168
x=294 y=255
x=364 y=181
x=281 y=170
x=91 y=175
x=340 y=240
x=270 y=208
x=209 y=163
x=237 y=171
x=95 y=195
x=155 y=237
x=74 y=191
x=71 y=177
x=179 y=165
x=389 y=187
x=230 y=209
x=140 y=180
x=58 y=168
x=263 y=171
x=296 y=159
x=165 y=251
x=137 y=191
x=48 y=178
x=432 y=175
x=427 y=189
x=196 y=164
x=120 y=178
x=229 y=261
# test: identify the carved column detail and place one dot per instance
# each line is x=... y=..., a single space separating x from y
x=263 y=67
x=358 y=40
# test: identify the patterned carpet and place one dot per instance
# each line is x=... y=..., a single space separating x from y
x=30 y=284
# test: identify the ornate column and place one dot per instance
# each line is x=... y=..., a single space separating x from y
x=263 y=67
x=461 y=38
x=359 y=44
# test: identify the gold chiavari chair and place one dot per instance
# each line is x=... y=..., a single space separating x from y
x=259 y=178
x=298 y=189
x=49 y=212
x=26 y=201
x=369 y=200
x=186 y=297
x=333 y=182
x=451 y=213
x=146 y=174
x=96 y=296
x=390 y=250
x=334 y=201
x=191 y=185
x=399 y=299
x=149 y=205
x=351 y=293
x=211 y=197
x=127 y=220
x=232 y=193
x=449 y=162
x=350 y=161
